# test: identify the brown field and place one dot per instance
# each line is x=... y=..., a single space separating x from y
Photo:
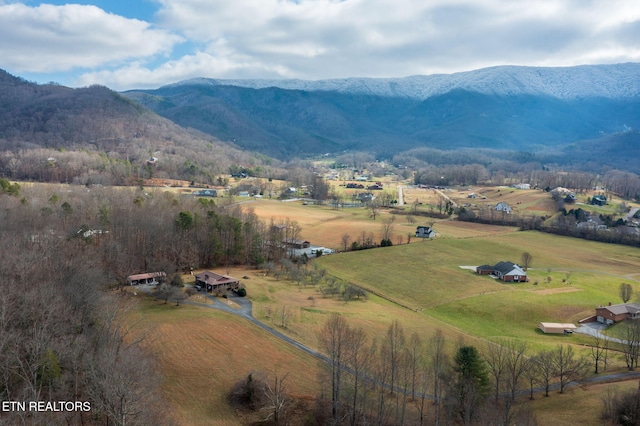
x=324 y=226
x=524 y=201
x=203 y=353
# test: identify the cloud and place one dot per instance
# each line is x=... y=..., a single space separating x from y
x=52 y=38
x=328 y=38
x=317 y=39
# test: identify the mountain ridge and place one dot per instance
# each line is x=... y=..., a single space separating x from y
x=512 y=108
x=611 y=81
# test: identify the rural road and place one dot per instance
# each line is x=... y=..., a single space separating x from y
x=400 y=195
x=246 y=311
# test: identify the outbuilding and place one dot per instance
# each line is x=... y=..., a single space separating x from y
x=556 y=328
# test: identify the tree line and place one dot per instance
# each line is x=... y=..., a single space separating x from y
x=400 y=379
x=66 y=332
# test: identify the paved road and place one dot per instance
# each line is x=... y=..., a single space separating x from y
x=400 y=195
x=632 y=212
x=246 y=309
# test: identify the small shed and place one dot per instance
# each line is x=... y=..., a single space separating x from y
x=556 y=328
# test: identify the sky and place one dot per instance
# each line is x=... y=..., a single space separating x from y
x=136 y=44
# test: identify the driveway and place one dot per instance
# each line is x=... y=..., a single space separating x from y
x=595 y=329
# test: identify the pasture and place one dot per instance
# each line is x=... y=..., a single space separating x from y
x=202 y=352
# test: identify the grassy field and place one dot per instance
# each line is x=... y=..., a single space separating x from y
x=203 y=352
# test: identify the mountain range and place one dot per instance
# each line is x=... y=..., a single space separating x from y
x=507 y=107
x=585 y=117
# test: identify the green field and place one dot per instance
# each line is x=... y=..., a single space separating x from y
x=427 y=277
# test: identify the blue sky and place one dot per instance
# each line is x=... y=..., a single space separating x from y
x=126 y=44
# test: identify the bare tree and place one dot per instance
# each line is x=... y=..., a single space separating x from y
x=526 y=259
x=358 y=359
x=439 y=365
x=387 y=227
x=345 y=240
x=629 y=333
x=516 y=365
x=277 y=398
x=333 y=338
x=544 y=366
x=599 y=348
x=496 y=358
x=567 y=367
x=374 y=208
x=626 y=292
x=393 y=343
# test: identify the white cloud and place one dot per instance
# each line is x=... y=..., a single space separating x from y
x=326 y=38
x=51 y=38
x=315 y=39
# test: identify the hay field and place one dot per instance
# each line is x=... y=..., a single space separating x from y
x=324 y=226
x=203 y=352
x=530 y=201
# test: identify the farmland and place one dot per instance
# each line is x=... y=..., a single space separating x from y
x=420 y=284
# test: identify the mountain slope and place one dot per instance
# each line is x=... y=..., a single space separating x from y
x=515 y=108
x=50 y=132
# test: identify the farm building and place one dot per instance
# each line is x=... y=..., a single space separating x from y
x=148 y=278
x=504 y=271
x=615 y=313
x=425 y=232
x=556 y=328
x=211 y=281
x=296 y=244
x=503 y=207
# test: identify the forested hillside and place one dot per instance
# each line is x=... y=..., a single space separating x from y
x=95 y=135
x=66 y=330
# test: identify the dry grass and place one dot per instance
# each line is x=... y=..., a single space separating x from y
x=578 y=406
x=203 y=352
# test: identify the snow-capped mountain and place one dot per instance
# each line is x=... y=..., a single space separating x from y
x=507 y=107
x=609 y=81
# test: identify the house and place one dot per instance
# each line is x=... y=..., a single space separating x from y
x=556 y=328
x=425 y=232
x=509 y=272
x=504 y=271
x=503 y=207
x=615 y=313
x=365 y=197
x=148 y=278
x=206 y=193
x=296 y=244
x=599 y=200
x=484 y=270
x=522 y=186
x=211 y=281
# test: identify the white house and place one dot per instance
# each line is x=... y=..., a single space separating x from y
x=425 y=232
x=503 y=207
